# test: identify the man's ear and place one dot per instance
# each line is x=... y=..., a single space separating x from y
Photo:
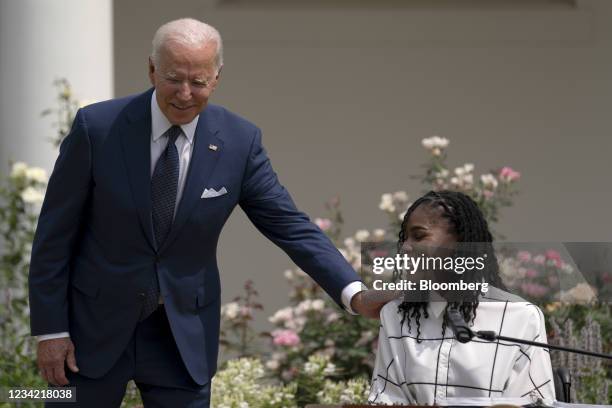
x=151 y=71
x=219 y=73
x=217 y=78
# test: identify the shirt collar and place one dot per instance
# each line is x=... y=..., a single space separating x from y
x=160 y=124
x=437 y=303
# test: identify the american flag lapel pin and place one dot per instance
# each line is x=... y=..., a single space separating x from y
x=213 y=147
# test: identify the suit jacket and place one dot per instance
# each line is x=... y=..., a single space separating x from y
x=94 y=253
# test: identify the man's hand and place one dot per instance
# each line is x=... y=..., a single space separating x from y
x=369 y=302
x=51 y=357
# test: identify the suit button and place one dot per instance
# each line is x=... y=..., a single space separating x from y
x=142 y=295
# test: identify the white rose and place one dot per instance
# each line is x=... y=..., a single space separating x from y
x=30 y=195
x=400 y=196
x=19 y=169
x=459 y=171
x=281 y=315
x=231 y=310
x=442 y=173
x=330 y=369
x=489 y=180
x=36 y=174
x=581 y=293
x=386 y=203
x=318 y=304
x=428 y=143
x=469 y=167
x=303 y=307
x=379 y=234
x=272 y=364
x=332 y=317
x=349 y=243
x=362 y=235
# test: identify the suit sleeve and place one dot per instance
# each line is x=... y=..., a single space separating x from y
x=270 y=208
x=58 y=226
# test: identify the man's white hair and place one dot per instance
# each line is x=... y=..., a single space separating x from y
x=187 y=31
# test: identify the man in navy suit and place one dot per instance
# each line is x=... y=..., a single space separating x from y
x=124 y=282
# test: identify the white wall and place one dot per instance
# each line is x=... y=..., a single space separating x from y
x=41 y=41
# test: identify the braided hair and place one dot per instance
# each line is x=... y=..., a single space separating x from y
x=470 y=226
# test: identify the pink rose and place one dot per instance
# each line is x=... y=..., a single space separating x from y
x=524 y=256
x=509 y=174
x=553 y=255
x=285 y=338
x=531 y=273
x=323 y=223
x=534 y=289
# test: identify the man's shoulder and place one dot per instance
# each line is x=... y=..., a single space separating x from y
x=112 y=107
x=226 y=119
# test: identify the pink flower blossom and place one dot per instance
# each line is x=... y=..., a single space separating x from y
x=524 y=256
x=553 y=255
x=539 y=259
x=531 y=273
x=509 y=174
x=285 y=338
x=323 y=223
x=534 y=289
x=378 y=253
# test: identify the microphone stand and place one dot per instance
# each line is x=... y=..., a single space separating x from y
x=492 y=336
x=464 y=334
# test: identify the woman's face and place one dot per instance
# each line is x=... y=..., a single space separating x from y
x=429 y=232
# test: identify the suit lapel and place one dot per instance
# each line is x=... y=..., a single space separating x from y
x=136 y=142
x=201 y=166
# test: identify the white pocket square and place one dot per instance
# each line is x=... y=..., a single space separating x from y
x=211 y=192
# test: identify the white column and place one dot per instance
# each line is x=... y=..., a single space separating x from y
x=42 y=40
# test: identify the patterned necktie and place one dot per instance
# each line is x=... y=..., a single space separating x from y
x=164 y=185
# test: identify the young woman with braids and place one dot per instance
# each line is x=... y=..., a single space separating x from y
x=418 y=360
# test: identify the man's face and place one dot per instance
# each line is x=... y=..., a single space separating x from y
x=184 y=78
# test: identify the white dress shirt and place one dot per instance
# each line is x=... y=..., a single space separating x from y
x=184 y=144
x=440 y=367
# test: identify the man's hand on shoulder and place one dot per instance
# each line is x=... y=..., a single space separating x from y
x=369 y=302
x=51 y=356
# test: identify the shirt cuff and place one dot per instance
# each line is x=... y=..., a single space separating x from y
x=52 y=336
x=348 y=292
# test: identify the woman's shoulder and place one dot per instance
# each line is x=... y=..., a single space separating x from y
x=494 y=294
x=510 y=307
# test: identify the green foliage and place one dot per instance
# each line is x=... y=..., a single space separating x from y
x=20 y=194
x=65 y=111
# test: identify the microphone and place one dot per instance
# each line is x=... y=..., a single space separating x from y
x=459 y=327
